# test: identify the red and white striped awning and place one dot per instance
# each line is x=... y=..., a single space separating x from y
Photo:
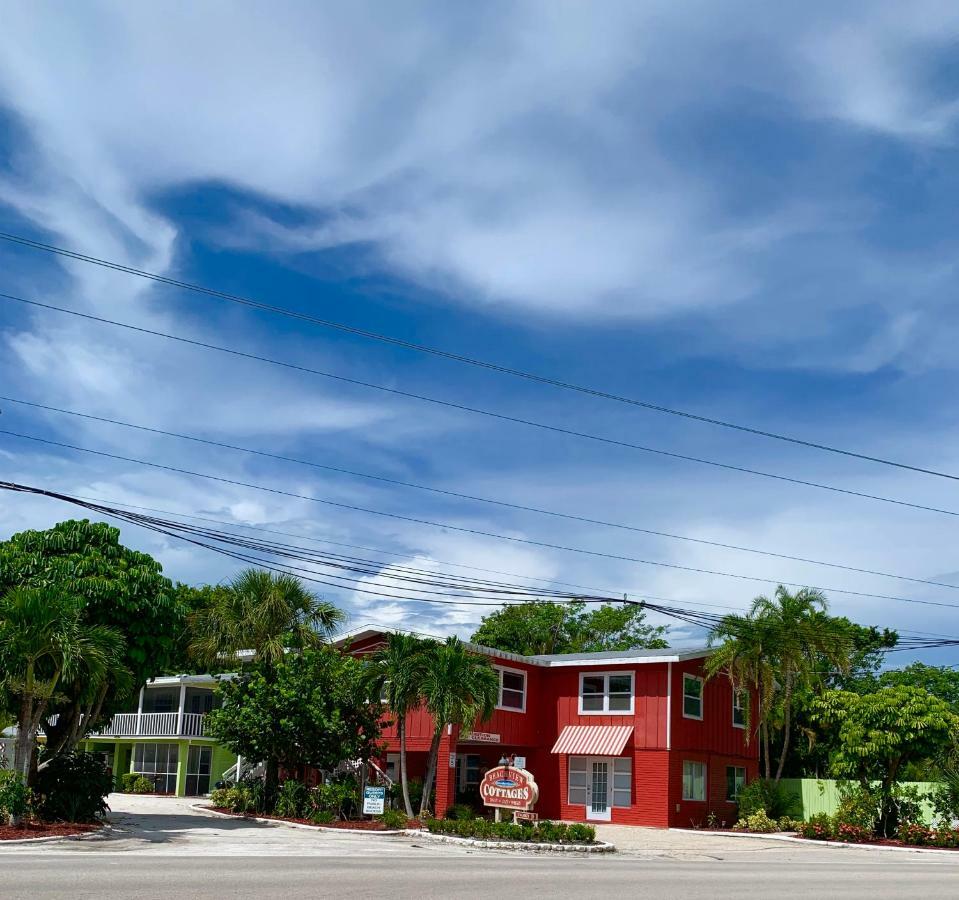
x=593 y=740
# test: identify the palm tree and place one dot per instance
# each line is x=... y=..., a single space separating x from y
x=267 y=614
x=396 y=673
x=743 y=654
x=43 y=643
x=459 y=687
x=776 y=649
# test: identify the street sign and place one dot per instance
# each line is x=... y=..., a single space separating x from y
x=509 y=788
x=524 y=815
x=374 y=800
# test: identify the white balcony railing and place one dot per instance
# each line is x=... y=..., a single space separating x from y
x=164 y=724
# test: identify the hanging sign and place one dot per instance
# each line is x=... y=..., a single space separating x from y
x=509 y=788
x=481 y=737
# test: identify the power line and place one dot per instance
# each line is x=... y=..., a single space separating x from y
x=457 y=357
x=614 y=594
x=203 y=537
x=463 y=529
x=555 y=429
x=492 y=501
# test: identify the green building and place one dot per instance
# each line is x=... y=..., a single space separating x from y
x=164 y=738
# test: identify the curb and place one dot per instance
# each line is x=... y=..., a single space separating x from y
x=835 y=845
x=527 y=846
x=265 y=821
x=56 y=837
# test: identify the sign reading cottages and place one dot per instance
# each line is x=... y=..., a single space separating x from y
x=508 y=788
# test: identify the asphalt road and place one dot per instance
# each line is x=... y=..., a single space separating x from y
x=164 y=849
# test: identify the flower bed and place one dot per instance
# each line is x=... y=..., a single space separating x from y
x=544 y=832
x=359 y=825
x=44 y=829
x=825 y=828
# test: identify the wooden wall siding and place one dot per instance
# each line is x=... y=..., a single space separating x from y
x=715 y=733
x=687 y=813
x=649 y=705
x=650 y=793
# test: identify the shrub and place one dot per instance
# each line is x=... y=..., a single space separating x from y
x=220 y=798
x=460 y=811
x=858 y=807
x=135 y=783
x=818 y=828
x=73 y=788
x=768 y=796
x=906 y=805
x=341 y=798
x=854 y=834
x=945 y=799
x=786 y=823
x=911 y=833
x=945 y=836
x=393 y=819
x=758 y=823
x=14 y=795
x=322 y=817
x=539 y=832
x=293 y=800
x=126 y=782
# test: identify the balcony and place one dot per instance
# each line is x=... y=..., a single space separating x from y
x=165 y=724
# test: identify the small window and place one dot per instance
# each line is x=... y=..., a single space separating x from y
x=622 y=781
x=740 y=699
x=694 y=780
x=692 y=697
x=608 y=693
x=512 y=689
x=735 y=782
x=577 y=781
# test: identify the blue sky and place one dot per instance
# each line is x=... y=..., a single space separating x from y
x=750 y=216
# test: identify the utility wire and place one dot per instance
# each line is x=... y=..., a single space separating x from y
x=457 y=357
x=555 y=429
x=492 y=501
x=449 y=527
x=212 y=539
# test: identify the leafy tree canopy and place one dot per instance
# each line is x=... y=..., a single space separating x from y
x=313 y=709
x=940 y=681
x=541 y=626
x=117 y=590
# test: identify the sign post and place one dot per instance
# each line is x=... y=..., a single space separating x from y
x=506 y=787
x=374 y=801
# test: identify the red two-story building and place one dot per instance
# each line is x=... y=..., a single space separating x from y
x=636 y=737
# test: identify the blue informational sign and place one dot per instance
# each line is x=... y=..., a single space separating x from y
x=374 y=801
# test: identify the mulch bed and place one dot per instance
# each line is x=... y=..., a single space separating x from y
x=364 y=825
x=885 y=842
x=44 y=829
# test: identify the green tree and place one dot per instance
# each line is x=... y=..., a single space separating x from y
x=878 y=734
x=940 y=681
x=267 y=614
x=396 y=674
x=459 y=688
x=44 y=643
x=541 y=626
x=778 y=648
x=307 y=709
x=117 y=588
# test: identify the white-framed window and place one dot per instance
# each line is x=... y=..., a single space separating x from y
x=735 y=782
x=580 y=768
x=692 y=696
x=608 y=693
x=158 y=763
x=512 y=689
x=694 y=780
x=740 y=699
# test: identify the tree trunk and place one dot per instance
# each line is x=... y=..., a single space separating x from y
x=764 y=727
x=430 y=770
x=404 y=778
x=271 y=784
x=787 y=721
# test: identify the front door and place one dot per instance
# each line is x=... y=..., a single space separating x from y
x=597 y=801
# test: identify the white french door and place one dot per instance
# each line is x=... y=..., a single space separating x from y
x=599 y=788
